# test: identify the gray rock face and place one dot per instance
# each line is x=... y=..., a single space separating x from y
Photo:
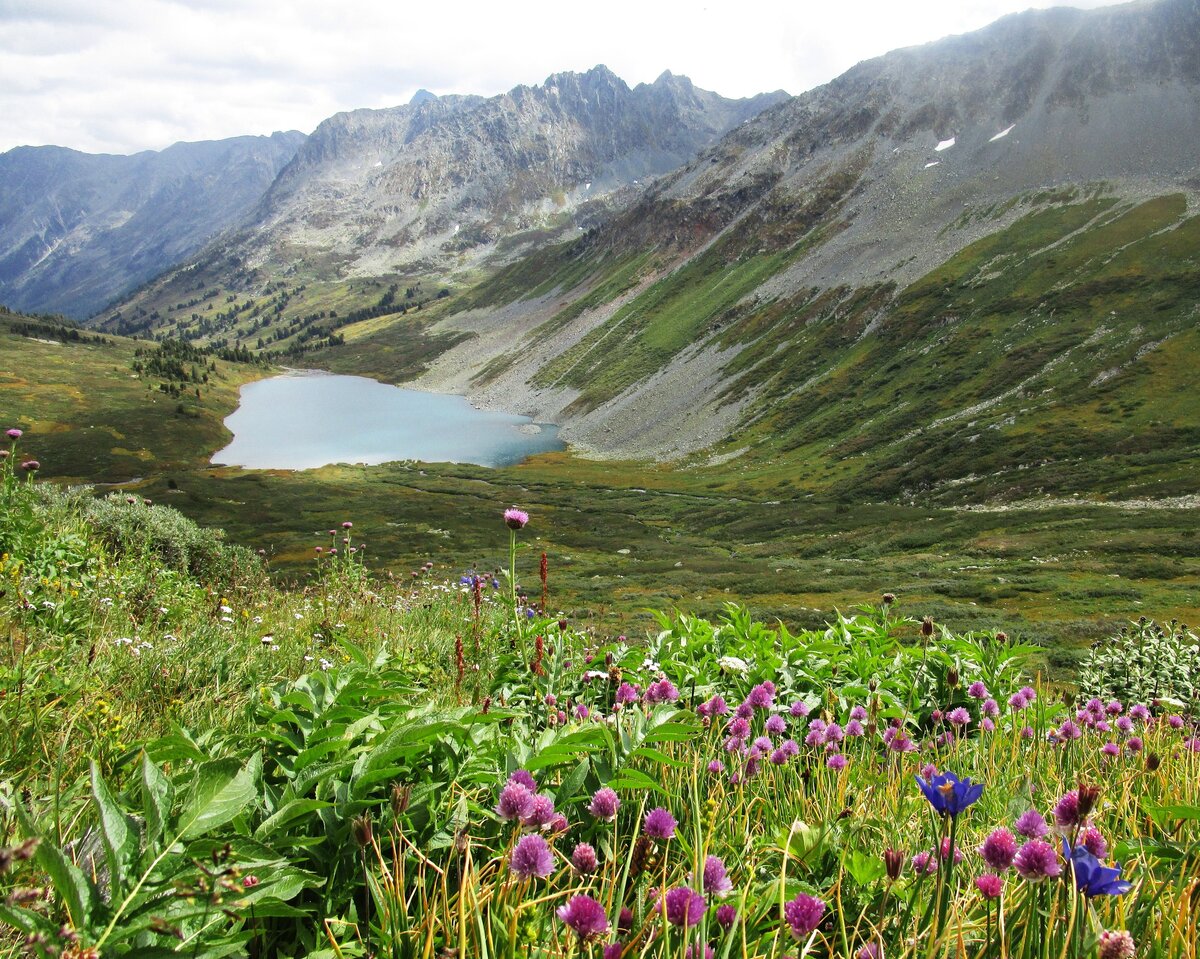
x=444 y=179
x=79 y=230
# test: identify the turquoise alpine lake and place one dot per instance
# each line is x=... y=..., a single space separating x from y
x=304 y=420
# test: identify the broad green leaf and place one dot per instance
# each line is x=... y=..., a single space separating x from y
x=157 y=799
x=865 y=869
x=118 y=832
x=288 y=813
x=574 y=780
x=220 y=792
x=1166 y=814
x=635 y=779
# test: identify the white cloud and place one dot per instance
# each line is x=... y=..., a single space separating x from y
x=139 y=74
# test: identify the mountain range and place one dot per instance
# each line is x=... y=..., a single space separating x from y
x=962 y=270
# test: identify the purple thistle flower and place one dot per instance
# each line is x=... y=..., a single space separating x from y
x=815 y=737
x=1066 y=811
x=977 y=690
x=660 y=824
x=586 y=916
x=762 y=695
x=515 y=518
x=744 y=711
x=1017 y=702
x=989 y=885
x=854 y=728
x=1037 y=860
x=1111 y=749
x=836 y=762
x=990 y=708
x=999 y=849
x=738 y=727
x=858 y=713
x=1029 y=693
x=531 y=857
x=515 y=800
x=31 y=466
x=1068 y=730
x=776 y=724
x=626 y=693
x=525 y=778
x=763 y=744
x=1124 y=724
x=685 y=907
x=834 y=733
x=778 y=757
x=924 y=864
x=1140 y=713
x=716 y=878
x=1175 y=722
x=1114 y=708
x=791 y=747
x=1031 y=825
x=604 y=804
x=1116 y=945
x=1135 y=744
x=945 y=851
x=14 y=434
x=583 y=858
x=799 y=709
x=726 y=916
x=540 y=812
x=663 y=691
x=1092 y=840
x=803 y=915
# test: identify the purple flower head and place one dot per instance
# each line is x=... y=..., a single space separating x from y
x=685 y=907
x=515 y=800
x=660 y=824
x=613 y=950
x=1093 y=841
x=790 y=747
x=1066 y=811
x=716 y=879
x=803 y=915
x=1027 y=732
x=626 y=693
x=1029 y=693
x=531 y=857
x=726 y=916
x=834 y=733
x=1135 y=744
x=738 y=727
x=1111 y=750
x=901 y=742
x=1068 y=731
x=1091 y=877
x=776 y=724
x=540 y=812
x=799 y=709
x=854 y=729
x=924 y=864
x=604 y=804
x=625 y=921
x=836 y=762
x=694 y=952
x=763 y=745
x=1016 y=701
x=583 y=858
x=977 y=690
x=778 y=757
x=929 y=770
x=1139 y=712
x=948 y=794
x=870 y=951
x=945 y=851
x=990 y=885
x=815 y=737
x=31 y=466
x=14 y=434
x=1116 y=945
x=715 y=766
x=762 y=695
x=990 y=708
x=1124 y=724
x=1037 y=860
x=662 y=691
x=559 y=823
x=999 y=850
x=525 y=778
x=1175 y=722
x=586 y=916
x=858 y=713
x=515 y=518
x=987 y=725
x=1031 y=825
x=1114 y=708
x=744 y=711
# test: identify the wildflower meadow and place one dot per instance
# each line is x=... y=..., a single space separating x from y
x=200 y=761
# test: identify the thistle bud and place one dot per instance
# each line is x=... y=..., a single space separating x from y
x=400 y=798
x=893 y=861
x=360 y=828
x=927 y=627
x=952 y=677
x=1153 y=761
x=889 y=598
x=1089 y=793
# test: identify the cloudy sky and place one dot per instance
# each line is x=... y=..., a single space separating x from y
x=118 y=76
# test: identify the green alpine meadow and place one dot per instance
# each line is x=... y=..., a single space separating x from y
x=831 y=589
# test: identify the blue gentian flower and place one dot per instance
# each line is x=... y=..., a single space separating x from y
x=948 y=794
x=1092 y=878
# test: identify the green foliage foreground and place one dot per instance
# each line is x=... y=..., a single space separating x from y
x=195 y=763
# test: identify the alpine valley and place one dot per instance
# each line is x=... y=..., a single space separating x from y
x=931 y=327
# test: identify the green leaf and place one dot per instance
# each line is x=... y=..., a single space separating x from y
x=865 y=869
x=118 y=831
x=288 y=813
x=220 y=792
x=1163 y=815
x=635 y=779
x=574 y=780
x=157 y=798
